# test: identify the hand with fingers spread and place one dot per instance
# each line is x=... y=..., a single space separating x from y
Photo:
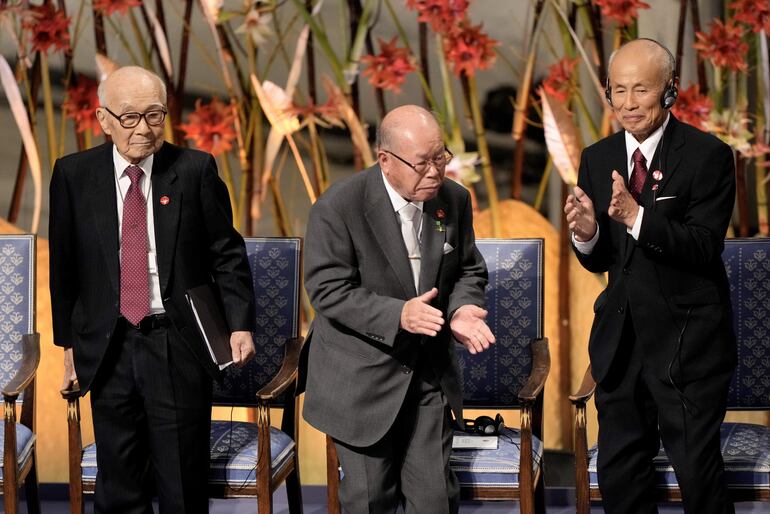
x=242 y=347
x=623 y=208
x=418 y=317
x=581 y=217
x=470 y=329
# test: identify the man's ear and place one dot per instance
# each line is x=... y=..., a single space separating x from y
x=101 y=116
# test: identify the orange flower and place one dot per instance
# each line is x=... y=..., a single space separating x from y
x=81 y=103
x=47 y=27
x=389 y=69
x=693 y=107
x=108 y=7
x=724 y=46
x=624 y=12
x=557 y=83
x=210 y=127
x=442 y=15
x=754 y=13
x=469 y=49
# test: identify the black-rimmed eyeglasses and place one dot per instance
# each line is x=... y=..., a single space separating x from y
x=153 y=118
x=422 y=167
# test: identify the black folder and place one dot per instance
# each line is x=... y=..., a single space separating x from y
x=209 y=316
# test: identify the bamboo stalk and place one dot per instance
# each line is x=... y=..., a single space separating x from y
x=680 y=37
x=50 y=121
x=425 y=69
x=486 y=162
x=701 y=66
x=741 y=195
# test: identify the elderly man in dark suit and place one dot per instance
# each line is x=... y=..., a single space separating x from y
x=652 y=208
x=393 y=273
x=133 y=224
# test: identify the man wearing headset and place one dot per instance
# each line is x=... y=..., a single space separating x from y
x=652 y=206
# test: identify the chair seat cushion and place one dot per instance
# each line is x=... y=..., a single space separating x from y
x=494 y=468
x=25 y=443
x=233 y=454
x=745 y=450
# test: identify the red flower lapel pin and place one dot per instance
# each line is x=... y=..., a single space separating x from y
x=440 y=215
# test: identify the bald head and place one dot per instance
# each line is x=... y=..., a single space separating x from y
x=145 y=79
x=649 y=50
x=402 y=123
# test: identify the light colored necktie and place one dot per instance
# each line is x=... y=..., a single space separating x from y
x=410 y=219
x=134 y=276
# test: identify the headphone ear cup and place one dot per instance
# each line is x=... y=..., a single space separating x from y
x=670 y=95
x=608 y=93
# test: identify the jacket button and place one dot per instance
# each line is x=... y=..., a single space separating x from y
x=626 y=271
x=621 y=310
x=406 y=369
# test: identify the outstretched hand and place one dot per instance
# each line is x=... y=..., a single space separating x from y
x=470 y=328
x=419 y=317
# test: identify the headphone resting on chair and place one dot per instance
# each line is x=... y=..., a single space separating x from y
x=667 y=99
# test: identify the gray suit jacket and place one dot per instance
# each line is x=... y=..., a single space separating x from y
x=358 y=363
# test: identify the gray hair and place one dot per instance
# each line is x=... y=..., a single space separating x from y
x=667 y=67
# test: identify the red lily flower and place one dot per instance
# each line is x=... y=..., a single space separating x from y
x=389 y=69
x=693 y=107
x=557 y=83
x=469 y=49
x=47 y=27
x=754 y=13
x=724 y=46
x=81 y=103
x=442 y=15
x=108 y=7
x=210 y=127
x=624 y=12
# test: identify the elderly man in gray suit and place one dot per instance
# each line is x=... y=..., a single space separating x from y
x=395 y=277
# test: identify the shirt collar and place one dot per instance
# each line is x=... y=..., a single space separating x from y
x=121 y=163
x=647 y=146
x=396 y=199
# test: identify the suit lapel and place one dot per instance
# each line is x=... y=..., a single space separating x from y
x=103 y=200
x=166 y=213
x=618 y=161
x=431 y=242
x=671 y=152
x=382 y=220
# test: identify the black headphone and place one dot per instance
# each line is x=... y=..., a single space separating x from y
x=484 y=425
x=667 y=99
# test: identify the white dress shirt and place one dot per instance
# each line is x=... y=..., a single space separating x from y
x=123 y=183
x=647 y=147
x=398 y=202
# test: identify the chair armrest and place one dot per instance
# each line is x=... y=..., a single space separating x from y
x=29 y=361
x=586 y=390
x=288 y=372
x=541 y=366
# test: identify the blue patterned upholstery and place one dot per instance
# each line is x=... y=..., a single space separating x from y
x=514 y=300
x=493 y=378
x=275 y=269
x=494 y=468
x=25 y=443
x=17 y=300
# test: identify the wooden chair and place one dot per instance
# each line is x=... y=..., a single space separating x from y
x=745 y=446
x=510 y=375
x=248 y=459
x=19 y=358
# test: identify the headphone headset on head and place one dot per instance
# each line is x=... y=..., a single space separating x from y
x=667 y=98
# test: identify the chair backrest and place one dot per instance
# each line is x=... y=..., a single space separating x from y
x=17 y=300
x=275 y=264
x=747 y=262
x=514 y=301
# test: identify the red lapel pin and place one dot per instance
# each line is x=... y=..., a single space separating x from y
x=164 y=200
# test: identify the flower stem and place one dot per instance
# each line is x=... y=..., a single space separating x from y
x=227 y=176
x=48 y=106
x=486 y=163
x=302 y=169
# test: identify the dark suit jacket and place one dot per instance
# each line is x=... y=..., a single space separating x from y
x=672 y=279
x=358 y=277
x=195 y=242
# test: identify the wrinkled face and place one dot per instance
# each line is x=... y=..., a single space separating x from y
x=415 y=145
x=136 y=96
x=636 y=85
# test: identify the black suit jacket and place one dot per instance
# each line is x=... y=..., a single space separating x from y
x=672 y=280
x=358 y=277
x=195 y=243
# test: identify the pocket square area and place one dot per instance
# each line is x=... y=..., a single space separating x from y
x=448 y=248
x=664 y=198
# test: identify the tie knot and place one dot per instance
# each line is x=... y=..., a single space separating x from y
x=408 y=212
x=134 y=173
x=638 y=156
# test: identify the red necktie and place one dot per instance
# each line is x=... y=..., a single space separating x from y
x=134 y=277
x=638 y=175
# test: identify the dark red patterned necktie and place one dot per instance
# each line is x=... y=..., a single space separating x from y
x=134 y=277
x=638 y=175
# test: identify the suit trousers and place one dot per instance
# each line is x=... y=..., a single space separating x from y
x=410 y=464
x=637 y=411
x=151 y=404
